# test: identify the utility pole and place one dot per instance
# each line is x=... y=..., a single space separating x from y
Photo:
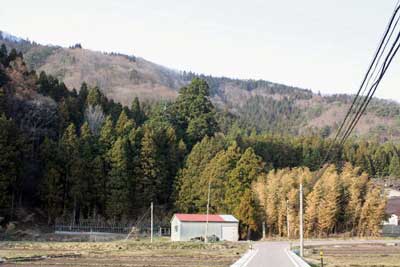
x=208 y=209
x=301 y=220
x=287 y=219
x=321 y=254
x=263 y=230
x=151 y=222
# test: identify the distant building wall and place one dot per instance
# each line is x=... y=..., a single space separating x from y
x=393 y=211
x=175 y=229
x=185 y=231
x=393 y=220
x=190 y=230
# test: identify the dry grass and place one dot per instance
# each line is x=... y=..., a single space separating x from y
x=121 y=253
x=365 y=255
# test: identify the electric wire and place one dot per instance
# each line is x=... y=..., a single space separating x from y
x=350 y=121
x=362 y=99
x=389 y=59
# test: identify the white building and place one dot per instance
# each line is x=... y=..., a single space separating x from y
x=391 y=227
x=184 y=227
x=393 y=211
x=392 y=220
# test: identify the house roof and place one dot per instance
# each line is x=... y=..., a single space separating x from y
x=393 y=206
x=203 y=218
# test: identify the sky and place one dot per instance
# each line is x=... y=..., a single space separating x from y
x=322 y=45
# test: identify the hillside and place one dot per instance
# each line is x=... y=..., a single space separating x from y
x=68 y=156
x=258 y=104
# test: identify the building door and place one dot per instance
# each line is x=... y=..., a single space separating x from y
x=230 y=233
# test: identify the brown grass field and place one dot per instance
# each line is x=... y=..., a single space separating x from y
x=161 y=253
x=365 y=255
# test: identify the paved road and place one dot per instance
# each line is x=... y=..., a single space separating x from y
x=273 y=254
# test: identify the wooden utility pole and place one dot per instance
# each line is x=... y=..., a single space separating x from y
x=208 y=209
x=151 y=222
x=301 y=220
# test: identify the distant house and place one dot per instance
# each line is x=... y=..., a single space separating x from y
x=185 y=227
x=393 y=211
x=391 y=227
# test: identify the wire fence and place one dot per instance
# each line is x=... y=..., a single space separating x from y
x=391 y=230
x=101 y=226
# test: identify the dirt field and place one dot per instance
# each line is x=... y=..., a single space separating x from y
x=365 y=255
x=120 y=253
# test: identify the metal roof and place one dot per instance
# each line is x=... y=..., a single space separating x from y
x=203 y=218
x=229 y=218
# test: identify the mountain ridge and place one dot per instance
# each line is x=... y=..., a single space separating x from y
x=259 y=104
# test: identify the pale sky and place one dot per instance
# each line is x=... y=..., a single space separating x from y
x=323 y=45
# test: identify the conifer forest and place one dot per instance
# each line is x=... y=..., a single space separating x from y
x=75 y=153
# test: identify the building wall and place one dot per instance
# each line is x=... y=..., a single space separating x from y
x=175 y=229
x=189 y=230
x=393 y=220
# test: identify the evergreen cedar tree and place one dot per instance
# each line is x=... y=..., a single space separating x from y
x=168 y=152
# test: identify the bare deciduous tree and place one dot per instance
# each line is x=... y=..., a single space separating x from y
x=94 y=115
x=37 y=118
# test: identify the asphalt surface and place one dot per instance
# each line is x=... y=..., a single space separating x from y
x=273 y=253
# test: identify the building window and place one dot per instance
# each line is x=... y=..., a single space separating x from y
x=176 y=228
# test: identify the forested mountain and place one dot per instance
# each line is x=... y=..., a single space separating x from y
x=256 y=104
x=80 y=155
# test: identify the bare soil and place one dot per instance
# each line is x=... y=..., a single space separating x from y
x=365 y=255
x=120 y=253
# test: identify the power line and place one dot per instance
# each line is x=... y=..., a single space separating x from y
x=367 y=100
x=372 y=89
x=374 y=86
x=381 y=54
x=361 y=100
x=348 y=124
x=364 y=102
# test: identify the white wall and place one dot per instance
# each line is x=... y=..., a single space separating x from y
x=393 y=220
x=189 y=230
x=392 y=193
x=175 y=229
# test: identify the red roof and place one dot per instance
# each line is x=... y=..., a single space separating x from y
x=199 y=217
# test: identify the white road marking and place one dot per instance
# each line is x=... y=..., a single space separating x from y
x=245 y=259
x=291 y=258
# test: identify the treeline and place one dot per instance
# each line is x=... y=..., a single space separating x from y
x=380 y=107
x=378 y=160
x=216 y=83
x=91 y=156
x=286 y=114
x=242 y=184
x=335 y=202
